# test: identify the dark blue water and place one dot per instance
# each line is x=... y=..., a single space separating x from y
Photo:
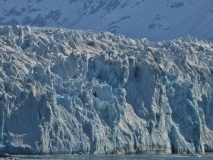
x=117 y=157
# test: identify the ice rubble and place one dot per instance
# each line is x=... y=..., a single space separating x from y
x=65 y=91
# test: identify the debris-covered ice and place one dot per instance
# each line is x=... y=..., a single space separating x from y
x=64 y=91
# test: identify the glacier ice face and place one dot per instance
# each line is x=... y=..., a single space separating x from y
x=64 y=91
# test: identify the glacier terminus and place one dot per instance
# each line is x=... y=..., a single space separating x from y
x=69 y=91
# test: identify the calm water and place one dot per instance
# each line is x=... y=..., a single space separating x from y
x=118 y=157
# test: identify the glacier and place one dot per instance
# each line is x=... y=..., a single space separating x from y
x=83 y=92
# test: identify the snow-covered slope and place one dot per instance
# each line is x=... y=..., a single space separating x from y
x=152 y=19
x=85 y=92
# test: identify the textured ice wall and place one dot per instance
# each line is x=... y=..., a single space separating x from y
x=83 y=92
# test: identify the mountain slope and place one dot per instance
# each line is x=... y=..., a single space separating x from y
x=155 y=20
x=65 y=91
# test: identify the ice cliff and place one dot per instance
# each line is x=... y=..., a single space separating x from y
x=64 y=91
